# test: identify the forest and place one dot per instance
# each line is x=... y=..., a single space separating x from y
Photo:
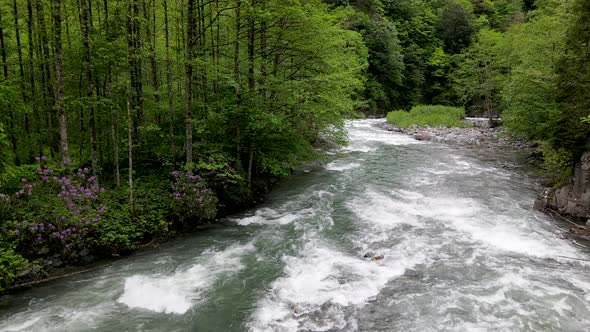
x=128 y=121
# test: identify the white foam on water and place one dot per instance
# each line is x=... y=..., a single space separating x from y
x=65 y=313
x=178 y=292
x=321 y=282
x=340 y=166
x=364 y=136
x=459 y=165
x=467 y=216
x=268 y=216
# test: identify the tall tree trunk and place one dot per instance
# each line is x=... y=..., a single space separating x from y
x=129 y=111
x=169 y=87
x=59 y=102
x=84 y=20
x=238 y=91
x=19 y=49
x=263 y=56
x=3 y=49
x=191 y=35
x=251 y=39
x=31 y=60
x=135 y=64
x=251 y=78
x=46 y=81
x=114 y=110
x=114 y=127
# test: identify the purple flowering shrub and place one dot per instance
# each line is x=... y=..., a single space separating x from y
x=52 y=210
x=191 y=199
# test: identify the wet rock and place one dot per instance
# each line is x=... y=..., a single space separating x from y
x=423 y=136
x=369 y=255
x=55 y=262
x=573 y=199
x=377 y=258
x=87 y=259
x=480 y=137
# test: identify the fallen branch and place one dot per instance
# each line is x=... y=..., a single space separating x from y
x=553 y=212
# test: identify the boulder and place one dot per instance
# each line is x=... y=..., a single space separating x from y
x=573 y=199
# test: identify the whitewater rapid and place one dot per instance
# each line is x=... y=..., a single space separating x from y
x=462 y=251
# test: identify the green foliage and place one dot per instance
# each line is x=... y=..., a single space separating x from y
x=6 y=168
x=11 y=264
x=535 y=48
x=456 y=26
x=479 y=76
x=559 y=163
x=429 y=115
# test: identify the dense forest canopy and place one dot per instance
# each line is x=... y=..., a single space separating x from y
x=109 y=98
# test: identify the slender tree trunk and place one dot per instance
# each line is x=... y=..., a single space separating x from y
x=31 y=60
x=237 y=52
x=263 y=56
x=59 y=102
x=169 y=87
x=237 y=82
x=251 y=39
x=251 y=78
x=129 y=112
x=3 y=48
x=191 y=35
x=19 y=49
x=46 y=80
x=135 y=64
x=114 y=110
x=114 y=127
x=89 y=83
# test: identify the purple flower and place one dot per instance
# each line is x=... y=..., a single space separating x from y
x=85 y=169
x=43 y=158
x=37 y=158
x=23 y=180
x=63 y=218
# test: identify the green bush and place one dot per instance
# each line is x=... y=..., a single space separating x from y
x=429 y=115
x=11 y=265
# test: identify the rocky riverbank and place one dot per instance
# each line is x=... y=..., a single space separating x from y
x=479 y=137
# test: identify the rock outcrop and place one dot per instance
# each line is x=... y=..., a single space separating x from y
x=574 y=198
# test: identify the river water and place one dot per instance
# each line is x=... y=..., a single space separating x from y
x=462 y=251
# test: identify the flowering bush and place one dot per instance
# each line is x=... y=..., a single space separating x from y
x=52 y=210
x=191 y=199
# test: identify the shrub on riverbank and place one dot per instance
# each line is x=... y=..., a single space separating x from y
x=56 y=215
x=429 y=115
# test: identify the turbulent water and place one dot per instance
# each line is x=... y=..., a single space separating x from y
x=462 y=251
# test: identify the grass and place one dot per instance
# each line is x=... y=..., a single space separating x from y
x=429 y=115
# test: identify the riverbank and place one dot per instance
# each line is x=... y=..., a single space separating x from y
x=489 y=138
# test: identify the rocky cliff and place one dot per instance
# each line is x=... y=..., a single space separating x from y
x=573 y=199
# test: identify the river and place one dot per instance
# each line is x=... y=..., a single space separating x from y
x=462 y=251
